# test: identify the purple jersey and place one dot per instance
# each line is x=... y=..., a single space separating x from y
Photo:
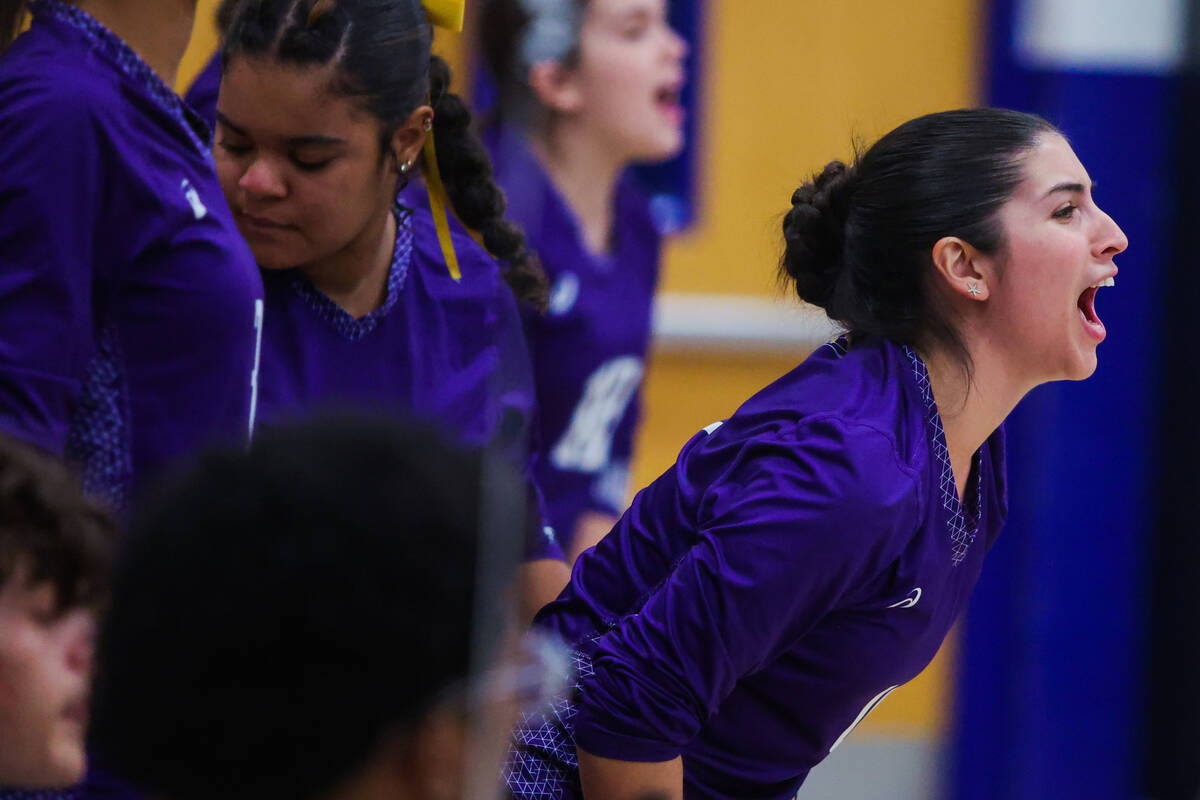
x=589 y=348
x=800 y=561
x=202 y=94
x=130 y=303
x=450 y=352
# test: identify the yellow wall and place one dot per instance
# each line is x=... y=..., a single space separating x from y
x=786 y=86
x=202 y=46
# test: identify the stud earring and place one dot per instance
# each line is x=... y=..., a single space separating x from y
x=427 y=125
x=973 y=289
x=404 y=167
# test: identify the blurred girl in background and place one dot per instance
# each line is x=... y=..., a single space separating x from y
x=586 y=88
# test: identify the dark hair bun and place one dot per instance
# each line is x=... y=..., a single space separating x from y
x=814 y=232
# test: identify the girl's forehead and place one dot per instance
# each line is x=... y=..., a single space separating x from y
x=256 y=82
x=269 y=98
x=615 y=9
x=1049 y=163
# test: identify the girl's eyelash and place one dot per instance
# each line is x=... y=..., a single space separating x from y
x=1065 y=212
x=312 y=166
x=307 y=166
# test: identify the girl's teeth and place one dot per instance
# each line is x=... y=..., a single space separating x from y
x=1109 y=281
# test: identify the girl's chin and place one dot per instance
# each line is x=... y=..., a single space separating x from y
x=271 y=259
x=1084 y=367
x=274 y=266
x=664 y=148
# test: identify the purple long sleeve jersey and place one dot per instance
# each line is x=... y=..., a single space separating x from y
x=129 y=304
x=589 y=349
x=800 y=560
x=447 y=351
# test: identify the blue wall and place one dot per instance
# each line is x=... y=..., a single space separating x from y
x=1050 y=698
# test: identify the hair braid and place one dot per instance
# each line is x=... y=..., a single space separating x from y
x=477 y=200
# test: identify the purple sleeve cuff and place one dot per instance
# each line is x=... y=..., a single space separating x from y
x=544 y=546
x=594 y=738
x=541 y=539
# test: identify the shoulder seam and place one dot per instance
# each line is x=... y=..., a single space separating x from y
x=902 y=466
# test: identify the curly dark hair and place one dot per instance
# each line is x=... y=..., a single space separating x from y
x=383 y=50
x=51 y=528
x=859 y=237
x=280 y=611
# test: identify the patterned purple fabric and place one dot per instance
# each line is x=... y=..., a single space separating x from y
x=542 y=761
x=962 y=529
x=800 y=561
x=98 y=439
x=342 y=322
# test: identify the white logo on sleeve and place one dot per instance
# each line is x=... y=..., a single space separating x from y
x=913 y=598
x=193 y=198
x=564 y=294
x=587 y=443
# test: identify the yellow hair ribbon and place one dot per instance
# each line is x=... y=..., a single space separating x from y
x=446 y=14
x=438 y=204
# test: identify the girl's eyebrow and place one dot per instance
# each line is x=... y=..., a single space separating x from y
x=224 y=120
x=1068 y=186
x=298 y=141
x=301 y=141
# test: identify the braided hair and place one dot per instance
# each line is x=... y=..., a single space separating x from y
x=382 y=49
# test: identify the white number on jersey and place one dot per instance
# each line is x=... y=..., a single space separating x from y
x=587 y=442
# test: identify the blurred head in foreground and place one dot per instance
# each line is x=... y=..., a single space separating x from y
x=306 y=619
